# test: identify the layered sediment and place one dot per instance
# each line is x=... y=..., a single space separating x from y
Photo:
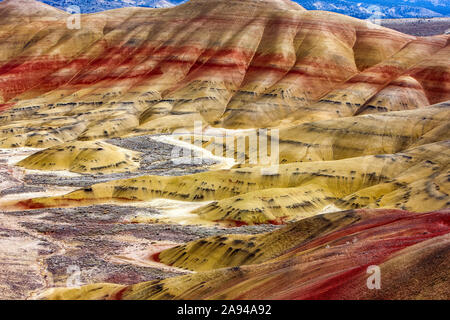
x=361 y=114
x=316 y=258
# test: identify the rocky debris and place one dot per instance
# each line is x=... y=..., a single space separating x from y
x=48 y=247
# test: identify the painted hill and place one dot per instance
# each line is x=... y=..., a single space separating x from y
x=362 y=113
x=316 y=258
x=275 y=62
x=327 y=81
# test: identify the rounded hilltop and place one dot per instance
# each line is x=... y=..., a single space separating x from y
x=83 y=157
x=360 y=116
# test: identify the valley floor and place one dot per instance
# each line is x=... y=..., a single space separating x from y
x=61 y=247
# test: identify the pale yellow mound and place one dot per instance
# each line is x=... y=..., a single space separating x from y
x=406 y=180
x=236 y=250
x=236 y=64
x=83 y=157
x=322 y=257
